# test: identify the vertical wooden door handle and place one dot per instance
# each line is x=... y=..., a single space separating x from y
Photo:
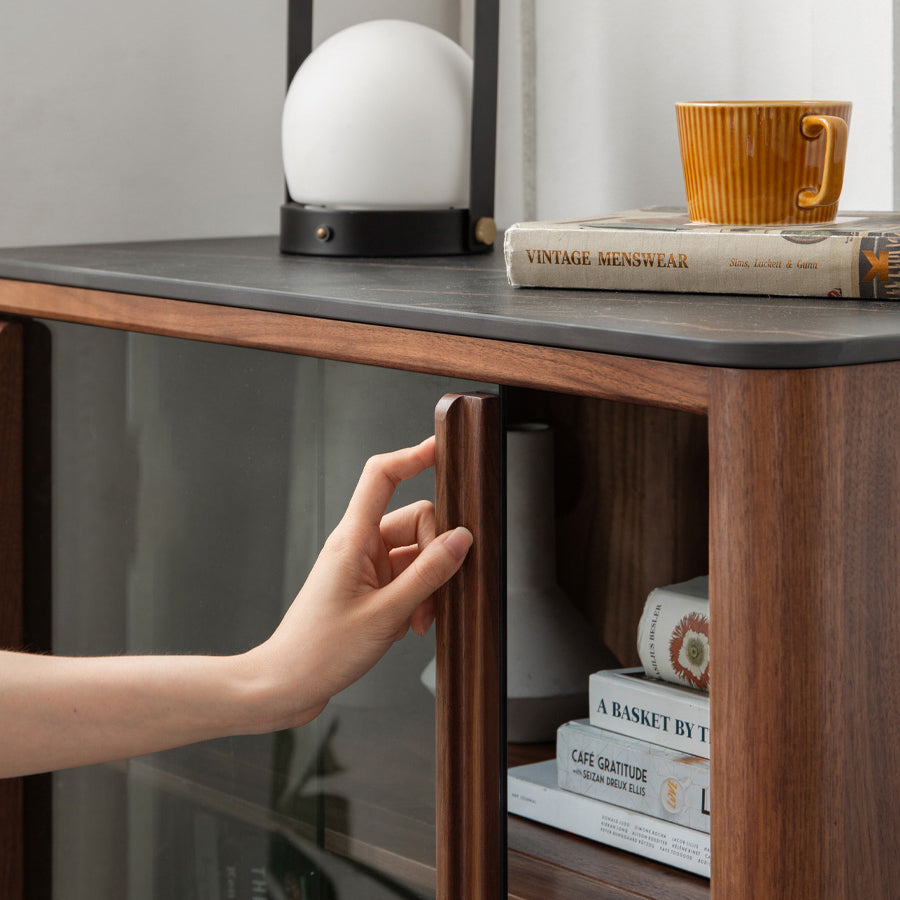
x=470 y=752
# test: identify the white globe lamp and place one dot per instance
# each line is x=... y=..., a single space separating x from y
x=383 y=143
x=379 y=117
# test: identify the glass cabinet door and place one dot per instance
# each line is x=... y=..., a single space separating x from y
x=192 y=487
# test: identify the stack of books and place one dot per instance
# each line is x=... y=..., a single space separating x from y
x=635 y=774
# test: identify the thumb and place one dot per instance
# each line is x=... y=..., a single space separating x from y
x=432 y=568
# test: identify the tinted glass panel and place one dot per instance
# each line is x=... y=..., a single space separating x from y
x=193 y=485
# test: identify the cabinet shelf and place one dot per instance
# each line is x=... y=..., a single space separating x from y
x=371 y=803
x=368 y=857
x=545 y=863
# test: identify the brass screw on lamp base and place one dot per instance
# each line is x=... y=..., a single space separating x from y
x=485 y=230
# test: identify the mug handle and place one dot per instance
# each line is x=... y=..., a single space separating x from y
x=835 y=129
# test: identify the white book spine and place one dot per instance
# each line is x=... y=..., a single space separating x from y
x=627 y=702
x=634 y=774
x=856 y=256
x=569 y=255
x=532 y=792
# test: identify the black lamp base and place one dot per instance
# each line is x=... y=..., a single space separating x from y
x=318 y=231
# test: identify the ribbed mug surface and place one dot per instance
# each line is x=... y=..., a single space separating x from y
x=746 y=163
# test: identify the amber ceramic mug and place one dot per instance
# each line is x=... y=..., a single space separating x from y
x=751 y=163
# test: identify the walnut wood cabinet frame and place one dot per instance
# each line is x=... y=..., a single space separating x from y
x=804 y=559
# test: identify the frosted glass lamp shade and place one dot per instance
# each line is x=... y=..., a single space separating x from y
x=378 y=116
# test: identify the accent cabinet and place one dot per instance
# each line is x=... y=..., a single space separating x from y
x=757 y=439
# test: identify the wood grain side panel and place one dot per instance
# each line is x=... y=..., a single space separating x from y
x=805 y=618
x=672 y=385
x=11 y=582
x=470 y=733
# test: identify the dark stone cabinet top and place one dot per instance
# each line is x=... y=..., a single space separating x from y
x=470 y=296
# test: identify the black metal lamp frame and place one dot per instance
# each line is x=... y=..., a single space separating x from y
x=340 y=232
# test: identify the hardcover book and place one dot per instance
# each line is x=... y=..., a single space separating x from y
x=673 y=633
x=660 y=249
x=627 y=702
x=532 y=792
x=624 y=771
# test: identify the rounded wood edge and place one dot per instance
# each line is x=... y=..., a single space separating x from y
x=623 y=378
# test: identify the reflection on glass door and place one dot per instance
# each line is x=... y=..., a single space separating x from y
x=193 y=486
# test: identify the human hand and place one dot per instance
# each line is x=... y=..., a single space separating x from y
x=374 y=579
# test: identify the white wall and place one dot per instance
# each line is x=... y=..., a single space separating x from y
x=129 y=120
x=609 y=73
x=123 y=120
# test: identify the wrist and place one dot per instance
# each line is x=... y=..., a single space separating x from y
x=269 y=693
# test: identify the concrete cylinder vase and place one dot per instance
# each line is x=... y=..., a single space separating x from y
x=551 y=648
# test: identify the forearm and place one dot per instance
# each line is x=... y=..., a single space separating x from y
x=62 y=712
